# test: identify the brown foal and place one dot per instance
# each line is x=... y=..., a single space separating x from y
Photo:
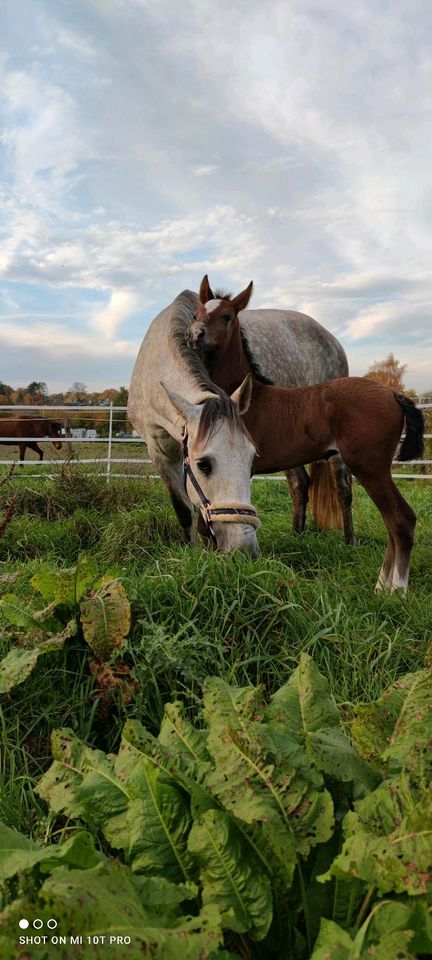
x=352 y=417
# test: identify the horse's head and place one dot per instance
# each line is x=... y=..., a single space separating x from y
x=54 y=430
x=213 y=322
x=217 y=456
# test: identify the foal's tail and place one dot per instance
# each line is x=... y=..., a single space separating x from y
x=323 y=497
x=412 y=445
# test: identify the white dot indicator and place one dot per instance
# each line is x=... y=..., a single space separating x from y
x=38 y=924
x=52 y=924
x=24 y=924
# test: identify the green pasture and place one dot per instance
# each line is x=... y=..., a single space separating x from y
x=197 y=614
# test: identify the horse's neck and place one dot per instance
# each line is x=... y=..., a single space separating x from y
x=229 y=366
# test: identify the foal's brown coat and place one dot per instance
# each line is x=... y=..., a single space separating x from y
x=357 y=418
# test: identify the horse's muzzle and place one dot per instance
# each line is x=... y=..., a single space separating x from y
x=233 y=526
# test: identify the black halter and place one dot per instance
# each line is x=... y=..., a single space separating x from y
x=240 y=513
x=188 y=472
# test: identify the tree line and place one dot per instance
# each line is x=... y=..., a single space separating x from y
x=390 y=372
x=36 y=394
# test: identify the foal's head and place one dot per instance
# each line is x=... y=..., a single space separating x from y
x=214 y=320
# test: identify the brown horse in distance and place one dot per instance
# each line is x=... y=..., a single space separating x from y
x=31 y=427
x=352 y=417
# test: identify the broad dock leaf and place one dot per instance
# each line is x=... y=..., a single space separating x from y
x=334 y=943
x=182 y=738
x=106 y=902
x=254 y=781
x=18 y=853
x=66 y=587
x=126 y=798
x=105 y=618
x=395 y=727
x=306 y=711
x=158 y=818
x=81 y=783
x=231 y=878
x=388 y=841
x=19 y=662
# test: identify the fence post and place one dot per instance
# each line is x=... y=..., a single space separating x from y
x=110 y=441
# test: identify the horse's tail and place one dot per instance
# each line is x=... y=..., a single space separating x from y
x=412 y=445
x=323 y=497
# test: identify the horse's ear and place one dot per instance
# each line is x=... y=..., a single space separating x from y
x=242 y=396
x=186 y=410
x=206 y=292
x=241 y=301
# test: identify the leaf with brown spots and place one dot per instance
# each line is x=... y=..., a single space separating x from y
x=105 y=618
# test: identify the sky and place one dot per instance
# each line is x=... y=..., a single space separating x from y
x=144 y=143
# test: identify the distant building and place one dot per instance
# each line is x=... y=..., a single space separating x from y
x=80 y=433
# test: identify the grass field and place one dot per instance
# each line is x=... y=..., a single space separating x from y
x=195 y=613
x=79 y=452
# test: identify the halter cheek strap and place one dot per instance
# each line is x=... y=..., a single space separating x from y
x=220 y=512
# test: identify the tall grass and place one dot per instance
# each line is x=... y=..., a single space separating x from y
x=197 y=613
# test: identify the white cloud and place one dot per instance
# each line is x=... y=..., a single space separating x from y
x=117 y=254
x=53 y=340
x=294 y=154
x=205 y=170
x=121 y=305
x=43 y=138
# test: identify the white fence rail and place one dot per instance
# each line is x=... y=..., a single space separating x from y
x=53 y=413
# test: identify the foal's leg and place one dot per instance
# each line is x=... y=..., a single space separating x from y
x=385 y=578
x=298 y=480
x=400 y=521
x=343 y=480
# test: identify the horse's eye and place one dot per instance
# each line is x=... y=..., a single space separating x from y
x=194 y=316
x=204 y=465
x=226 y=318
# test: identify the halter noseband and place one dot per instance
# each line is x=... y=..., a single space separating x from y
x=222 y=512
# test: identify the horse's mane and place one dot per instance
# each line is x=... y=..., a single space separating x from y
x=182 y=309
x=257 y=372
x=220 y=406
x=221 y=294
x=214 y=411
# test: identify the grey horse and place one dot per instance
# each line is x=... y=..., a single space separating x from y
x=173 y=404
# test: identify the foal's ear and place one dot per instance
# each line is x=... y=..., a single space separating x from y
x=242 y=396
x=241 y=301
x=206 y=292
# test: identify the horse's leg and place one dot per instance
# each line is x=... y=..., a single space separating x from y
x=22 y=450
x=34 y=446
x=385 y=577
x=400 y=521
x=171 y=473
x=343 y=480
x=183 y=512
x=298 y=480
